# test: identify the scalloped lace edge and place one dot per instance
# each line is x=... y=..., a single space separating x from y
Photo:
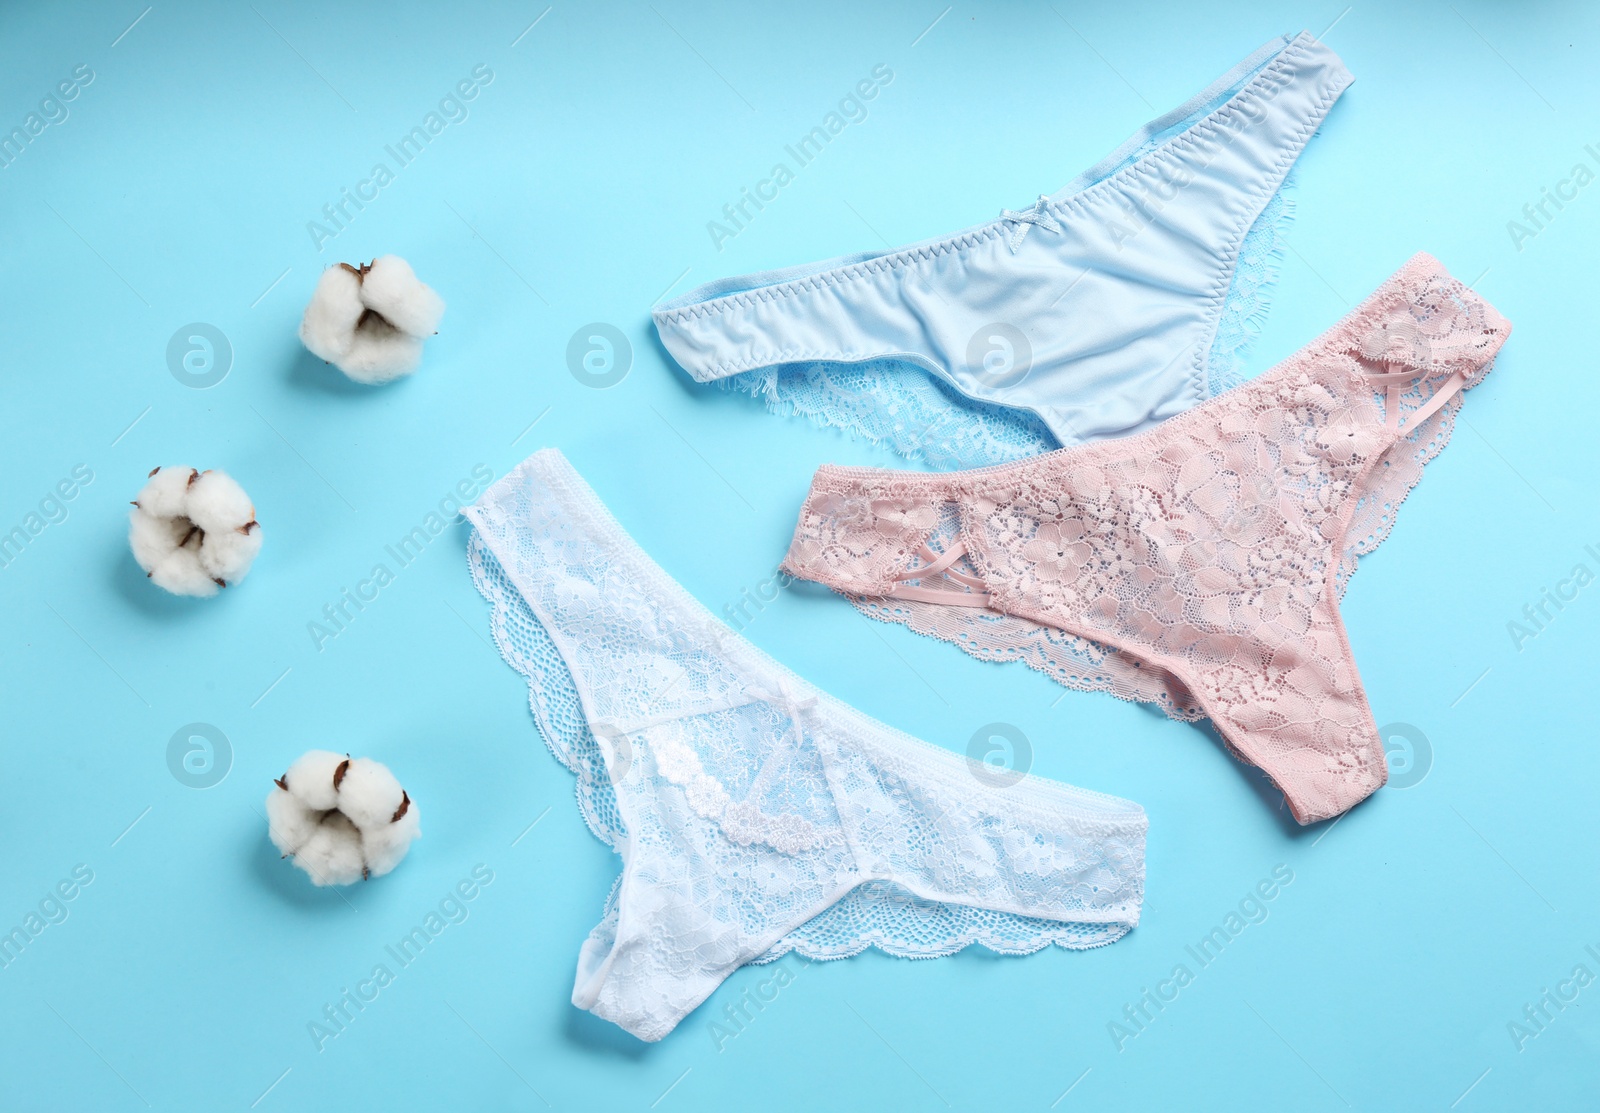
x=1113 y=933
x=1004 y=653
x=532 y=675
x=1069 y=935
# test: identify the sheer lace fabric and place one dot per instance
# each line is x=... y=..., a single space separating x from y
x=1211 y=552
x=754 y=814
x=902 y=407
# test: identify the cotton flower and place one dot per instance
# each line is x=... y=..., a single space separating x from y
x=370 y=321
x=193 y=532
x=341 y=819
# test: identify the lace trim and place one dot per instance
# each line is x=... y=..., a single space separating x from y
x=884 y=916
x=1255 y=277
x=1396 y=477
x=900 y=406
x=1070 y=661
x=987 y=635
x=875 y=914
x=921 y=417
x=552 y=695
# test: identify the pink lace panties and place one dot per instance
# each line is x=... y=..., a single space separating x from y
x=1198 y=565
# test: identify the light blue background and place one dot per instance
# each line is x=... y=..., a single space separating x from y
x=578 y=190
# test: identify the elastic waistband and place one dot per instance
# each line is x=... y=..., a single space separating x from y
x=1261 y=74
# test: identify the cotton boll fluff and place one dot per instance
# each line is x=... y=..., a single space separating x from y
x=341 y=819
x=370 y=320
x=392 y=290
x=193 y=532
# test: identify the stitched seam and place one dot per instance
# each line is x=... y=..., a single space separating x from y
x=1215 y=299
x=789 y=355
x=838 y=276
x=1171 y=150
x=1219 y=295
x=905 y=256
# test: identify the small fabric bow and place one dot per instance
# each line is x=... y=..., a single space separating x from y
x=792 y=702
x=1020 y=222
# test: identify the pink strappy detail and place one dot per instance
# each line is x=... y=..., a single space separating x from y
x=1201 y=562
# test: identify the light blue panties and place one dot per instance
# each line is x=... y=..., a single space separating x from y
x=754 y=814
x=1097 y=312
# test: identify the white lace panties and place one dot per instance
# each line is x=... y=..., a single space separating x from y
x=755 y=814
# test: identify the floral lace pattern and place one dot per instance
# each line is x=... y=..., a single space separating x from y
x=1211 y=551
x=900 y=406
x=753 y=813
x=1255 y=273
